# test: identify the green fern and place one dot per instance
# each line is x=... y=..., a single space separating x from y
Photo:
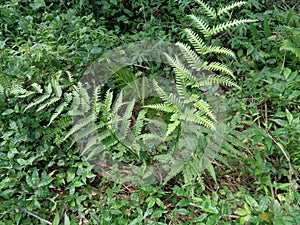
x=188 y=106
x=232 y=6
x=111 y=128
x=290 y=46
x=50 y=94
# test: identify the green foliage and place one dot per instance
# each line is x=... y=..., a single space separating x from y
x=46 y=46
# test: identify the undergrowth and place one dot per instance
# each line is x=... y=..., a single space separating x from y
x=227 y=133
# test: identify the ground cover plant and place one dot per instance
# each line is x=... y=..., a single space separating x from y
x=252 y=48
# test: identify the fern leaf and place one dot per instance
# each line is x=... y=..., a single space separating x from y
x=229 y=150
x=216 y=66
x=70 y=76
x=68 y=97
x=37 y=88
x=210 y=12
x=74 y=107
x=124 y=126
x=138 y=126
x=98 y=140
x=80 y=124
x=192 y=57
x=174 y=125
x=288 y=45
x=196 y=41
x=229 y=24
x=201 y=120
x=211 y=171
x=58 y=111
x=37 y=101
x=218 y=79
x=97 y=104
x=101 y=147
x=56 y=88
x=225 y=9
x=162 y=107
x=48 y=89
x=205 y=107
x=18 y=90
x=92 y=141
x=25 y=94
x=219 y=50
x=107 y=105
x=47 y=103
x=201 y=26
x=180 y=70
x=84 y=99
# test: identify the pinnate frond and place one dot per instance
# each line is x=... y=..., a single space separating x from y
x=219 y=50
x=191 y=57
x=234 y=5
x=216 y=66
x=209 y=11
x=196 y=41
x=229 y=24
x=202 y=26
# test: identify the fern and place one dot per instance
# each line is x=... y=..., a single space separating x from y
x=232 y=6
x=209 y=11
x=202 y=26
x=188 y=106
x=111 y=128
x=44 y=97
x=288 y=45
x=229 y=24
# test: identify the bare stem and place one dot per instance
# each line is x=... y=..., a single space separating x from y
x=36 y=216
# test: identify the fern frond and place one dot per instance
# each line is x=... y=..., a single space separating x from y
x=162 y=107
x=180 y=70
x=192 y=57
x=37 y=101
x=84 y=133
x=225 y=9
x=210 y=12
x=219 y=50
x=138 y=126
x=74 y=107
x=49 y=89
x=58 y=111
x=169 y=100
x=189 y=115
x=288 y=45
x=205 y=107
x=47 y=103
x=84 y=99
x=56 y=88
x=70 y=76
x=202 y=26
x=218 y=79
x=174 y=125
x=107 y=105
x=80 y=124
x=92 y=141
x=122 y=126
x=229 y=149
x=97 y=104
x=37 y=88
x=20 y=92
x=216 y=66
x=229 y=24
x=196 y=41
